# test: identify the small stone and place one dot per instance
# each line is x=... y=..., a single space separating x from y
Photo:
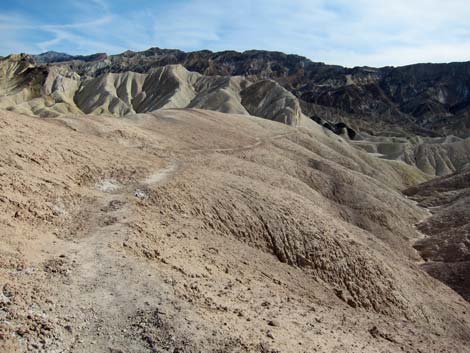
x=22 y=331
x=374 y=331
x=273 y=323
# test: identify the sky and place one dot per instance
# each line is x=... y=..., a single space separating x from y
x=343 y=32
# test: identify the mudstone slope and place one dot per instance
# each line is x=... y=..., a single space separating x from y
x=193 y=230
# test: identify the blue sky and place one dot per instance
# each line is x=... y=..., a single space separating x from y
x=350 y=33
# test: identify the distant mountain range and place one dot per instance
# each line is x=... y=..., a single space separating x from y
x=428 y=99
x=55 y=57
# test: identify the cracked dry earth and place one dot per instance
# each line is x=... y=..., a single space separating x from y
x=196 y=231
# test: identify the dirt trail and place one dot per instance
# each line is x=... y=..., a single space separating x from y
x=107 y=288
x=259 y=142
x=162 y=175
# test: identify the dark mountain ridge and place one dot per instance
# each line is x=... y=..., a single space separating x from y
x=425 y=99
x=56 y=57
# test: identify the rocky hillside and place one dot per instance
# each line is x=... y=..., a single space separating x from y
x=429 y=99
x=53 y=84
x=197 y=222
x=188 y=230
x=52 y=90
x=435 y=156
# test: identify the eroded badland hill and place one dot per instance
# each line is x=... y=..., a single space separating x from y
x=168 y=210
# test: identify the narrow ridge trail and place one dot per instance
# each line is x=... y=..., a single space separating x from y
x=259 y=142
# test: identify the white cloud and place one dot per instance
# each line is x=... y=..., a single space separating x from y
x=399 y=56
x=362 y=32
x=87 y=24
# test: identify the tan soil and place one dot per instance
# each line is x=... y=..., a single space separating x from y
x=196 y=231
